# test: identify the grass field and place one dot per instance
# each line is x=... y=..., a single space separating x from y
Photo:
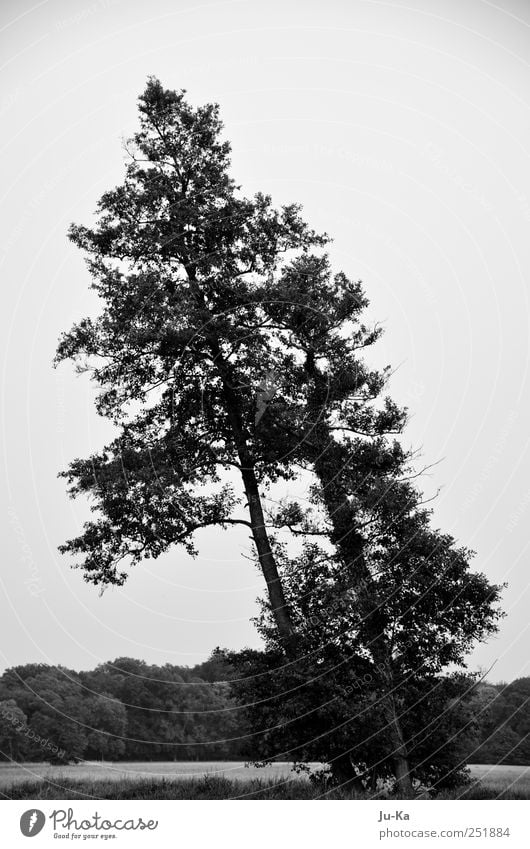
x=213 y=780
x=118 y=772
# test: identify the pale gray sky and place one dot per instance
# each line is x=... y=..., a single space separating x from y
x=403 y=128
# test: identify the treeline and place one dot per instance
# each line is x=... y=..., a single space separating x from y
x=130 y=710
x=504 y=723
x=124 y=710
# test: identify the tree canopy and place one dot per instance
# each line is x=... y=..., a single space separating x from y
x=229 y=356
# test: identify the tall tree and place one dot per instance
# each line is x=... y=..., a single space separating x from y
x=228 y=356
x=180 y=348
x=212 y=309
x=368 y=509
x=343 y=431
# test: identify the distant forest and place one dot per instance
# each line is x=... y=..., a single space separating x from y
x=129 y=710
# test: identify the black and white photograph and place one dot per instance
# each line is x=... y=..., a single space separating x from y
x=265 y=422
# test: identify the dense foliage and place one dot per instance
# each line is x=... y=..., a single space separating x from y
x=121 y=710
x=504 y=735
x=129 y=710
x=332 y=703
x=229 y=356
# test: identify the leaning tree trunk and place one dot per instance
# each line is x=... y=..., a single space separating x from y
x=350 y=546
x=328 y=459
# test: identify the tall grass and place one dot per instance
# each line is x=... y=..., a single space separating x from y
x=206 y=787
x=218 y=787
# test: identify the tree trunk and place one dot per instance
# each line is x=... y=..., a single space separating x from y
x=328 y=459
x=266 y=557
x=397 y=740
x=401 y=764
x=344 y=774
x=280 y=610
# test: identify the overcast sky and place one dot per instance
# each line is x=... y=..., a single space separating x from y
x=403 y=129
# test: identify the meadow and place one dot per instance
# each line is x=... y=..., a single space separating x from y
x=216 y=780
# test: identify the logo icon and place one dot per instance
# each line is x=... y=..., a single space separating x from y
x=31 y=822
